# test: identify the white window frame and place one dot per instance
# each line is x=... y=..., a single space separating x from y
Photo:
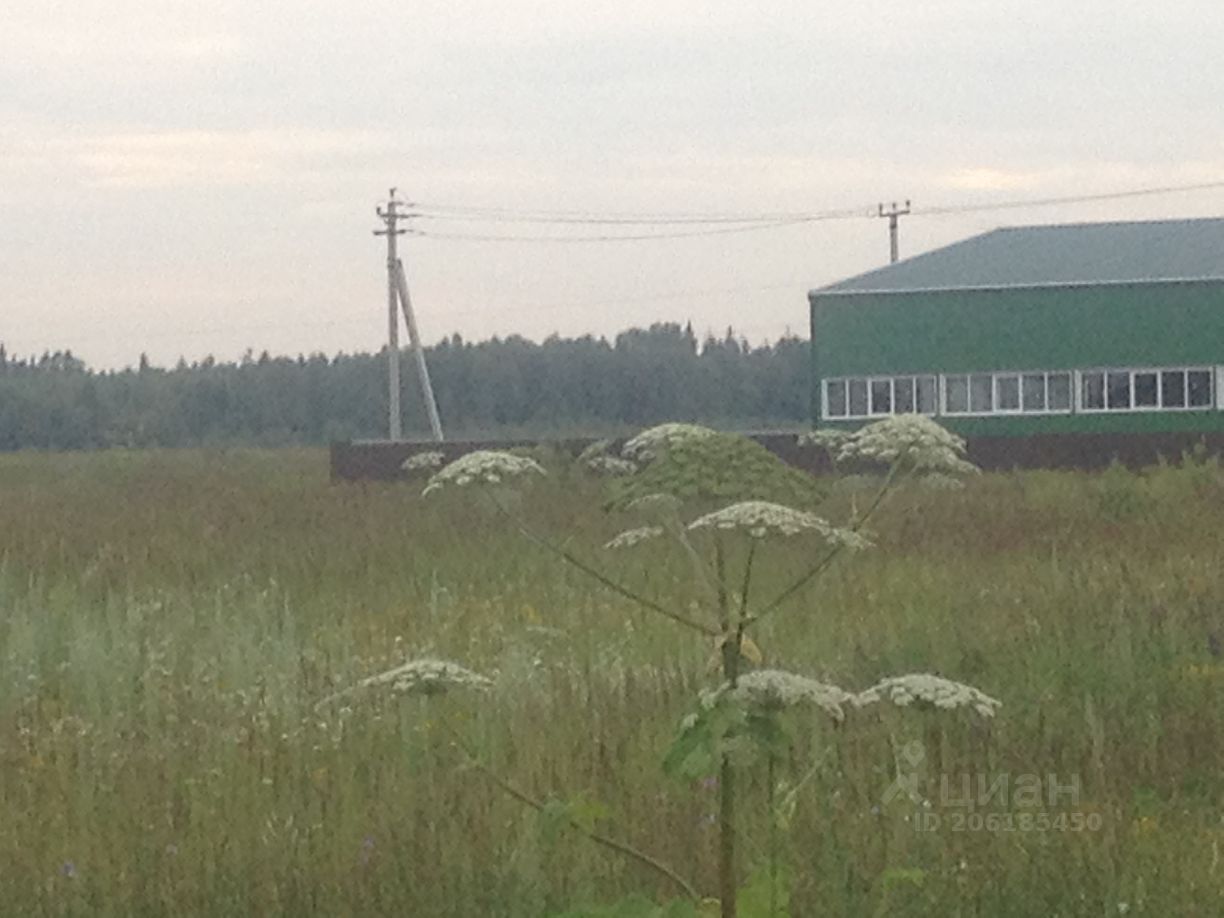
x=996 y=411
x=934 y=377
x=871 y=381
x=994 y=386
x=1070 y=374
x=1219 y=377
x=868 y=381
x=824 y=399
x=1211 y=389
x=1215 y=389
x=944 y=378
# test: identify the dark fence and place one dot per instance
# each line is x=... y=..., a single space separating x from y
x=380 y=460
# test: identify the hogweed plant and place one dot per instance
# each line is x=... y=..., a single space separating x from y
x=721 y=498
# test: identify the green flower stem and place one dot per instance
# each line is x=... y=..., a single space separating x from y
x=747 y=582
x=598 y=838
x=700 y=565
x=859 y=522
x=599 y=576
x=727 y=886
x=773 y=836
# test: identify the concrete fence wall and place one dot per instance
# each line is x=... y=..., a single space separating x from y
x=380 y=460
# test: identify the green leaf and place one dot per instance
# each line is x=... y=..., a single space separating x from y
x=898 y=876
x=585 y=811
x=553 y=820
x=756 y=896
x=692 y=753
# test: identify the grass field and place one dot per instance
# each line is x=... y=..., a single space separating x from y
x=168 y=621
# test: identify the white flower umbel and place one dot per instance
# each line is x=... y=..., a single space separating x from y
x=597 y=448
x=419 y=462
x=427 y=677
x=647 y=445
x=827 y=439
x=911 y=441
x=928 y=689
x=610 y=465
x=483 y=467
x=761 y=519
x=631 y=537
x=777 y=688
x=418 y=677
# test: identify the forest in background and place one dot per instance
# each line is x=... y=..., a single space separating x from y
x=501 y=386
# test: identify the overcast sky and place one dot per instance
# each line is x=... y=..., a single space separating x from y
x=185 y=178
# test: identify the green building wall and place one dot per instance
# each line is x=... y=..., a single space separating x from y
x=1056 y=328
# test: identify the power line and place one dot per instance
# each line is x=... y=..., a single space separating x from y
x=624 y=237
x=716 y=224
x=622 y=219
x=1070 y=199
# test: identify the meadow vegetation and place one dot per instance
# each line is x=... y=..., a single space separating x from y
x=170 y=621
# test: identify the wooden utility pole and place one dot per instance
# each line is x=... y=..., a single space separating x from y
x=892 y=214
x=391 y=216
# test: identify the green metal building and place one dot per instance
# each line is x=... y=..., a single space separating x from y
x=1099 y=328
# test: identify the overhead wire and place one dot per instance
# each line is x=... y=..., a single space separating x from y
x=607 y=237
x=716 y=224
x=591 y=218
x=1069 y=199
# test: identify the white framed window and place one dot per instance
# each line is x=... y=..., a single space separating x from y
x=858 y=398
x=835 y=398
x=1007 y=393
x=1148 y=389
x=1058 y=392
x=956 y=394
x=1028 y=392
x=1024 y=392
x=879 y=396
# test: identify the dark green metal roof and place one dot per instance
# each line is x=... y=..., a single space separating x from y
x=1075 y=254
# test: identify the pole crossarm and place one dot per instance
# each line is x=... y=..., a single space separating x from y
x=893 y=213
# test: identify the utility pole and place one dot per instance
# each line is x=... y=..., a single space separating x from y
x=414 y=338
x=391 y=216
x=397 y=295
x=892 y=214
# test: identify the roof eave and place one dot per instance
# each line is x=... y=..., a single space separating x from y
x=967 y=288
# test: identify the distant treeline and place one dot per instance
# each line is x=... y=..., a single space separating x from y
x=500 y=386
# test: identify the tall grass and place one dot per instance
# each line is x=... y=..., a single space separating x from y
x=169 y=620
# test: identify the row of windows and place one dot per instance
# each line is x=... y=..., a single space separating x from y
x=1145 y=390
x=1057 y=392
x=860 y=398
x=1007 y=393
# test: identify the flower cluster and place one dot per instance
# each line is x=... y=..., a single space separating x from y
x=419 y=462
x=483 y=467
x=655 y=506
x=831 y=440
x=649 y=443
x=777 y=688
x=928 y=689
x=427 y=677
x=610 y=465
x=761 y=519
x=631 y=537
x=911 y=441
